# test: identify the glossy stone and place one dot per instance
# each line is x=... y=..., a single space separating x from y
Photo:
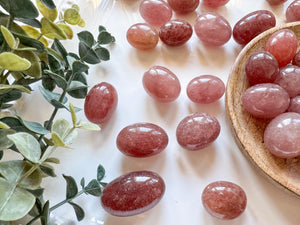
x=175 y=32
x=155 y=12
x=283 y=46
x=205 y=89
x=296 y=59
x=212 y=29
x=197 y=131
x=161 y=84
x=265 y=100
x=133 y=193
x=252 y=25
x=292 y=12
x=276 y=2
x=281 y=136
x=261 y=67
x=142 y=36
x=289 y=79
x=294 y=104
x=214 y=3
x=100 y=103
x=224 y=200
x=142 y=140
x=183 y=6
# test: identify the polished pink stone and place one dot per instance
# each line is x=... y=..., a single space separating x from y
x=293 y=11
x=155 y=12
x=142 y=36
x=289 y=79
x=261 y=67
x=265 y=100
x=161 y=84
x=296 y=59
x=175 y=32
x=197 y=131
x=283 y=46
x=142 y=140
x=133 y=193
x=183 y=6
x=252 y=25
x=224 y=200
x=276 y=2
x=100 y=103
x=205 y=89
x=294 y=104
x=281 y=136
x=212 y=29
x=214 y=3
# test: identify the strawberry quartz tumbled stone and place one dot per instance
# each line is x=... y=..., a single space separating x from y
x=161 y=84
x=212 y=29
x=142 y=140
x=133 y=193
x=175 y=32
x=142 y=36
x=214 y=3
x=155 y=12
x=197 y=131
x=294 y=104
x=296 y=59
x=293 y=12
x=100 y=103
x=183 y=6
x=276 y=2
x=283 y=46
x=205 y=89
x=281 y=136
x=224 y=200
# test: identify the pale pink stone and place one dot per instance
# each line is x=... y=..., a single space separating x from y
x=282 y=135
x=214 y=3
x=276 y=2
x=183 y=6
x=294 y=104
x=293 y=11
x=224 y=200
x=142 y=140
x=155 y=12
x=197 y=131
x=205 y=89
x=265 y=100
x=289 y=79
x=212 y=29
x=161 y=84
x=133 y=193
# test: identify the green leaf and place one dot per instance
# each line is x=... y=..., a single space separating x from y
x=48 y=95
x=50 y=14
x=49 y=3
x=72 y=16
x=103 y=53
x=62 y=127
x=86 y=37
x=11 y=95
x=79 y=67
x=1 y=155
x=15 y=202
x=28 y=146
x=5 y=143
x=13 y=62
x=105 y=38
x=59 y=80
x=9 y=37
x=45 y=214
x=58 y=104
x=32 y=22
x=5 y=87
x=67 y=30
x=93 y=188
x=73 y=114
x=21 y=9
x=52 y=160
x=76 y=85
x=33 y=33
x=82 y=182
x=14 y=123
x=72 y=189
x=37 y=192
x=78 y=211
x=35 y=68
x=59 y=48
x=100 y=172
x=101 y=28
x=5 y=222
x=79 y=93
x=57 y=140
x=48 y=170
x=55 y=64
x=31 y=42
x=87 y=54
x=51 y=30
x=33 y=126
x=3 y=126
x=87 y=126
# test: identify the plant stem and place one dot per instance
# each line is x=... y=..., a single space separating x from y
x=30 y=171
x=39 y=37
x=4 y=77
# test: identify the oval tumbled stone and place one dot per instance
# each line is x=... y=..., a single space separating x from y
x=142 y=140
x=133 y=193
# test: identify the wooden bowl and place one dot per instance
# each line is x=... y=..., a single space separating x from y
x=248 y=131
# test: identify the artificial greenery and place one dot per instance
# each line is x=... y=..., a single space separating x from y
x=26 y=57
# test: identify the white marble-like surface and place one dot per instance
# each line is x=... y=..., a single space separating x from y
x=185 y=173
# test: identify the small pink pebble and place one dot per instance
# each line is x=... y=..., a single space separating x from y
x=294 y=104
x=183 y=6
x=296 y=59
x=205 y=89
x=197 y=131
x=293 y=11
x=142 y=140
x=276 y=2
x=155 y=12
x=224 y=200
x=214 y=3
x=283 y=46
x=175 y=32
x=142 y=36
x=265 y=100
x=212 y=29
x=133 y=193
x=161 y=84
x=281 y=136
x=289 y=79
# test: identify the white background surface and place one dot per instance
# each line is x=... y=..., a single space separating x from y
x=185 y=173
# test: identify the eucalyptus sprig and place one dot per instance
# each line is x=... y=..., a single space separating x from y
x=27 y=58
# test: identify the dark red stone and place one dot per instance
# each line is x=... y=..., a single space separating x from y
x=183 y=6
